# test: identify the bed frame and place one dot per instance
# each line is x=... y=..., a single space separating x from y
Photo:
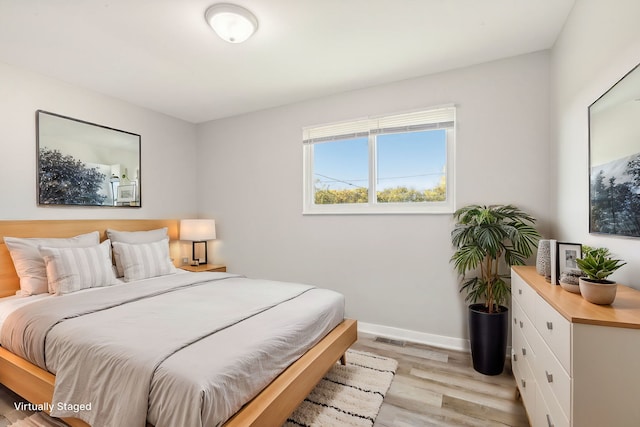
x=271 y=407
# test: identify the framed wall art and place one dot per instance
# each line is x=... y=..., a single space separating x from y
x=614 y=159
x=85 y=164
x=126 y=193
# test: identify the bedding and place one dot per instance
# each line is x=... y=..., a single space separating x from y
x=29 y=263
x=144 y=260
x=73 y=269
x=9 y=304
x=134 y=238
x=186 y=349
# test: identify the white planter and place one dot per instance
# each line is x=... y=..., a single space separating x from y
x=570 y=280
x=570 y=287
x=598 y=293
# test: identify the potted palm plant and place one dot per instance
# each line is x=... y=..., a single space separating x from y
x=488 y=241
x=597 y=264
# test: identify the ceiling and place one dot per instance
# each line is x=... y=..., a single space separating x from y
x=162 y=55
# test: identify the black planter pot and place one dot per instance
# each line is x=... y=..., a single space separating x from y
x=488 y=336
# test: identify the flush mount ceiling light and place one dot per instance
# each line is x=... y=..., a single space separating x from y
x=231 y=22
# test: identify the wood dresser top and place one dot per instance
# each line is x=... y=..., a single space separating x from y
x=623 y=313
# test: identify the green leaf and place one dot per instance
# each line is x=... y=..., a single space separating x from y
x=484 y=236
x=598 y=263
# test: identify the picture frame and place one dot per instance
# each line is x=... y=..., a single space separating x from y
x=86 y=157
x=566 y=255
x=126 y=193
x=614 y=159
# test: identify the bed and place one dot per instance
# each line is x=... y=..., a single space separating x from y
x=270 y=407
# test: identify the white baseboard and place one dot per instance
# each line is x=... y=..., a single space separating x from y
x=414 y=336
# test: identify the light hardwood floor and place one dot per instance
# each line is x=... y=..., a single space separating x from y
x=432 y=387
x=436 y=387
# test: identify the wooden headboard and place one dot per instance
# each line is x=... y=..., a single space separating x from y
x=9 y=281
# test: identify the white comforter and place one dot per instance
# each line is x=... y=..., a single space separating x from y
x=187 y=349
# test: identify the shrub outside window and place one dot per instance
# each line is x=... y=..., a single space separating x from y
x=401 y=163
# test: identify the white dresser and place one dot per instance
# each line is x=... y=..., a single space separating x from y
x=576 y=364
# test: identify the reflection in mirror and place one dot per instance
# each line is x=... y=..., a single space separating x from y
x=85 y=164
x=614 y=159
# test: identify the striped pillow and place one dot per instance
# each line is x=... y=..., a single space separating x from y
x=72 y=269
x=144 y=260
x=134 y=238
x=28 y=261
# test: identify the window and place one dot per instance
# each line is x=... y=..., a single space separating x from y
x=392 y=164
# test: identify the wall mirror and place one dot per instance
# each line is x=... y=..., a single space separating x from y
x=614 y=159
x=86 y=164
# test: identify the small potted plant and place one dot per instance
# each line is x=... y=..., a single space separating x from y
x=597 y=264
x=489 y=240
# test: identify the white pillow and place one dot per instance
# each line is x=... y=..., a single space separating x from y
x=29 y=263
x=72 y=269
x=135 y=238
x=144 y=260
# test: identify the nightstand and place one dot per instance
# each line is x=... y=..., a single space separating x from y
x=205 y=267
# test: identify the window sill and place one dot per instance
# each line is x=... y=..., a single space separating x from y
x=380 y=209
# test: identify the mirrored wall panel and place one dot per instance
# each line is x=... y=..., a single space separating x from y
x=86 y=164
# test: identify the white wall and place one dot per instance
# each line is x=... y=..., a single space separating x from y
x=599 y=44
x=393 y=269
x=168 y=153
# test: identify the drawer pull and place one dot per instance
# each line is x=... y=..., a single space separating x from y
x=520 y=291
x=549 y=423
x=524 y=383
x=549 y=377
x=524 y=351
x=515 y=321
x=521 y=324
x=515 y=357
x=550 y=326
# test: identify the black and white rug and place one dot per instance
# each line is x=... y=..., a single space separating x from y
x=349 y=395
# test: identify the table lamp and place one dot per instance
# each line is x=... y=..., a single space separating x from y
x=198 y=231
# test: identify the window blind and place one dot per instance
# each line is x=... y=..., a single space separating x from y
x=336 y=131
x=440 y=118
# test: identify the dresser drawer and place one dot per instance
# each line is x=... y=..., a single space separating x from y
x=555 y=330
x=522 y=351
x=522 y=324
x=524 y=295
x=552 y=379
x=544 y=416
x=525 y=380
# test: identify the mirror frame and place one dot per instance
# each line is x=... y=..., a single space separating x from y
x=614 y=159
x=116 y=189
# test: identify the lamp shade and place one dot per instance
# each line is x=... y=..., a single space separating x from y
x=231 y=22
x=197 y=230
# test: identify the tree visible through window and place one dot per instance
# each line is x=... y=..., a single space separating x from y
x=340 y=171
x=400 y=163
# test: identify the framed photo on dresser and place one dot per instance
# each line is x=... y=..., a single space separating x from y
x=566 y=255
